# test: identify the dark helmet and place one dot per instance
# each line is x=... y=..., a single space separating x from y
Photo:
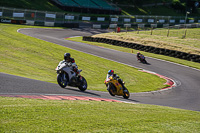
x=67 y=56
x=110 y=72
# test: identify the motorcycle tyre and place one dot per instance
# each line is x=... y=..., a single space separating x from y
x=59 y=80
x=144 y=61
x=110 y=89
x=126 y=94
x=82 y=84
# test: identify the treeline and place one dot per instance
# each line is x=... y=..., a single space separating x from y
x=178 y=5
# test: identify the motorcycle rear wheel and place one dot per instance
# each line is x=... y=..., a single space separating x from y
x=144 y=61
x=61 y=82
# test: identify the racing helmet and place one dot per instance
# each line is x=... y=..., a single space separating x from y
x=67 y=56
x=110 y=72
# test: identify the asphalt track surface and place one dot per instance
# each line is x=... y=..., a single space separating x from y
x=186 y=94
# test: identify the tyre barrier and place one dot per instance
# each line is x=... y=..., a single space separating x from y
x=150 y=49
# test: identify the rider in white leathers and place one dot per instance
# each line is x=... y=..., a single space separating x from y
x=68 y=59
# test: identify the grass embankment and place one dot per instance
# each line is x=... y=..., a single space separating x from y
x=159 y=39
x=31 y=115
x=36 y=59
x=190 y=45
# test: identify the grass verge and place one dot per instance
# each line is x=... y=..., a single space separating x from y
x=191 y=44
x=36 y=59
x=31 y=115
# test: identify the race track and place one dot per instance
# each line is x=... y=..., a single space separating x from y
x=185 y=95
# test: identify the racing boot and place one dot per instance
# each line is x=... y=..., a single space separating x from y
x=124 y=88
x=122 y=83
x=78 y=74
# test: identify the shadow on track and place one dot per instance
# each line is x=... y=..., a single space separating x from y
x=127 y=100
x=86 y=92
x=145 y=63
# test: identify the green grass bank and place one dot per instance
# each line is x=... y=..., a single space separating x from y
x=31 y=115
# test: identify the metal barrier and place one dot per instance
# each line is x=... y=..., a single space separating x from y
x=46 y=18
x=34 y=17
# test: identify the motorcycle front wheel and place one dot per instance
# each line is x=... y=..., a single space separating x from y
x=61 y=82
x=144 y=61
x=126 y=94
x=83 y=85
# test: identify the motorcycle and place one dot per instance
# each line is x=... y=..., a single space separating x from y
x=115 y=88
x=67 y=77
x=142 y=59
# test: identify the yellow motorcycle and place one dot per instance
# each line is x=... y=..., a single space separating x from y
x=115 y=88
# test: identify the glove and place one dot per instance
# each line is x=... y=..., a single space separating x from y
x=69 y=64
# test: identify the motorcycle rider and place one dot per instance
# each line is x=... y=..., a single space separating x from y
x=115 y=76
x=138 y=55
x=68 y=59
x=142 y=57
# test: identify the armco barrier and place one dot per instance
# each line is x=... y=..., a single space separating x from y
x=39 y=23
x=151 y=49
x=30 y=22
x=12 y=21
x=18 y=21
x=71 y=25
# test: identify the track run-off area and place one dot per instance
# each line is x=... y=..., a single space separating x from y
x=184 y=91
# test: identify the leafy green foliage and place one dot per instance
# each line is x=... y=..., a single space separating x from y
x=43 y=5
